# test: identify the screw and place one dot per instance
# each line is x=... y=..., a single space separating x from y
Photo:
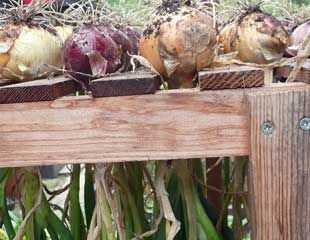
x=305 y=124
x=267 y=128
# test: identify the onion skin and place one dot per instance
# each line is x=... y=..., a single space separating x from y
x=91 y=51
x=134 y=35
x=180 y=44
x=258 y=38
x=298 y=36
x=24 y=51
x=124 y=43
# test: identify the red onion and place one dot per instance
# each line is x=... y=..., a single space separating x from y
x=123 y=41
x=92 y=52
x=134 y=35
x=298 y=36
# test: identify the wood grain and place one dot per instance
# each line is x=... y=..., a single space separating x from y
x=282 y=73
x=280 y=165
x=170 y=125
x=38 y=90
x=125 y=85
x=231 y=77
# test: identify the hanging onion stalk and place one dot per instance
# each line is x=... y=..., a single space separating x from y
x=179 y=41
x=30 y=47
x=97 y=47
x=257 y=36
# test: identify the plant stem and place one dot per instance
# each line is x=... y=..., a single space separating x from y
x=108 y=230
x=30 y=195
x=76 y=218
x=89 y=193
x=4 y=175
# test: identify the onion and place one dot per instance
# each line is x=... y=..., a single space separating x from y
x=179 y=41
x=91 y=51
x=298 y=36
x=27 y=53
x=134 y=35
x=124 y=42
x=257 y=37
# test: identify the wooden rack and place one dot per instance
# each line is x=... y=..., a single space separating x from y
x=270 y=123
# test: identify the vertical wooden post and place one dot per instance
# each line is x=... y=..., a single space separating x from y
x=279 y=164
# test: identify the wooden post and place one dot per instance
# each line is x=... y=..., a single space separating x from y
x=279 y=164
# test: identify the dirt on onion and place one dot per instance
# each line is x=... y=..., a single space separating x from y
x=179 y=41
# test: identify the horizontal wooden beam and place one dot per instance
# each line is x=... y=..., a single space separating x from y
x=168 y=125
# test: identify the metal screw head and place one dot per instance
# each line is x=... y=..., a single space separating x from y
x=305 y=124
x=267 y=128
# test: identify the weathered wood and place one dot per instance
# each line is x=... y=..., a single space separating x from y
x=231 y=77
x=125 y=85
x=167 y=125
x=38 y=90
x=280 y=165
x=282 y=73
x=170 y=125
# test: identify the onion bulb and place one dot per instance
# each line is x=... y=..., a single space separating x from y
x=256 y=36
x=27 y=53
x=179 y=41
x=97 y=50
x=298 y=36
x=91 y=51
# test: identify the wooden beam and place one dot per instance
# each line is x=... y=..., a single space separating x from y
x=125 y=85
x=168 y=125
x=38 y=90
x=279 y=164
x=231 y=77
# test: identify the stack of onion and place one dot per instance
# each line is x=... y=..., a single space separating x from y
x=298 y=36
x=179 y=41
x=97 y=50
x=256 y=36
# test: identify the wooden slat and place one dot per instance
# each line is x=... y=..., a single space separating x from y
x=170 y=125
x=282 y=73
x=177 y=124
x=125 y=85
x=38 y=90
x=280 y=165
x=231 y=77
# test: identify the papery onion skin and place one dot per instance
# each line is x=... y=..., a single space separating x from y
x=257 y=37
x=134 y=35
x=179 y=44
x=298 y=36
x=90 y=51
x=27 y=53
x=124 y=43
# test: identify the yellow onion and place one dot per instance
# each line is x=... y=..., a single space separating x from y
x=178 y=42
x=257 y=37
x=27 y=53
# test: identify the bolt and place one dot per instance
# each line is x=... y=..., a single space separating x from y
x=305 y=124
x=267 y=128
